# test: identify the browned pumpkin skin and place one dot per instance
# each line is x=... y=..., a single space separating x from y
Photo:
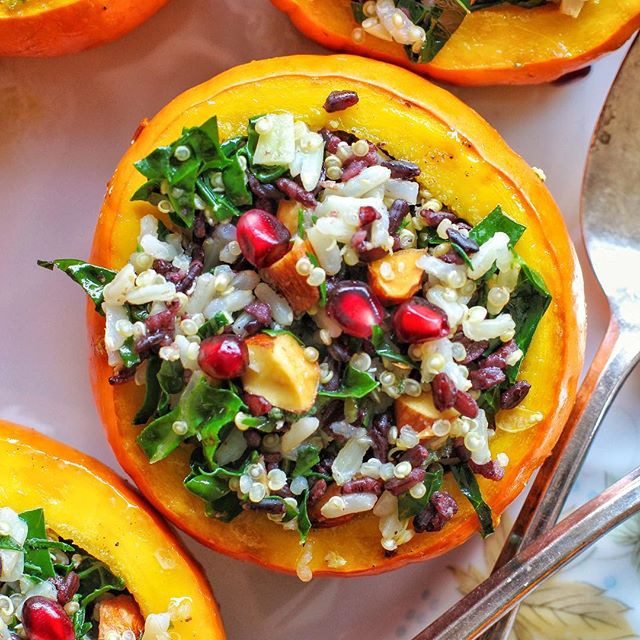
x=44 y=28
x=501 y=45
x=472 y=169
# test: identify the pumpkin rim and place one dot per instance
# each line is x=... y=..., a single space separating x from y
x=343 y=68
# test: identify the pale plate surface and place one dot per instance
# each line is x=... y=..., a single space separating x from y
x=64 y=125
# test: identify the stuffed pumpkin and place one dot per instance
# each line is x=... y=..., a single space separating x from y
x=336 y=323
x=471 y=42
x=82 y=556
x=42 y=28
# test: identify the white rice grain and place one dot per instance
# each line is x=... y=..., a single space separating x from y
x=280 y=308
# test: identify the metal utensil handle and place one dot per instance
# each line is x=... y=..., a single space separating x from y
x=615 y=358
x=492 y=598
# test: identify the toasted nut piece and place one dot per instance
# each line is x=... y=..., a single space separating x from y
x=283 y=276
x=118 y=615
x=288 y=214
x=420 y=413
x=396 y=277
x=279 y=372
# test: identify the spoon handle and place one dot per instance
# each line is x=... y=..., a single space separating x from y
x=615 y=358
x=536 y=562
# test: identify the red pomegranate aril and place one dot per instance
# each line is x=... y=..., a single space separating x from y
x=258 y=405
x=367 y=215
x=45 y=619
x=263 y=239
x=355 y=308
x=416 y=321
x=223 y=357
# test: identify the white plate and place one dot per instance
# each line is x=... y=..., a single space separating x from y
x=64 y=124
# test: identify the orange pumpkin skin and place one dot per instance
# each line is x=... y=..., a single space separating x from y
x=466 y=164
x=500 y=45
x=58 y=27
x=88 y=503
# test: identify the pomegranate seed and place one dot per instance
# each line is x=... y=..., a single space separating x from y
x=45 y=619
x=258 y=405
x=340 y=100
x=366 y=215
x=355 y=308
x=263 y=239
x=416 y=321
x=224 y=356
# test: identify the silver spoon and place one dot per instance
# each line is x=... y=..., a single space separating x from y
x=611 y=229
x=556 y=547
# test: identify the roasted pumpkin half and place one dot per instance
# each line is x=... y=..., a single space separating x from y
x=471 y=42
x=42 y=28
x=82 y=555
x=354 y=316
